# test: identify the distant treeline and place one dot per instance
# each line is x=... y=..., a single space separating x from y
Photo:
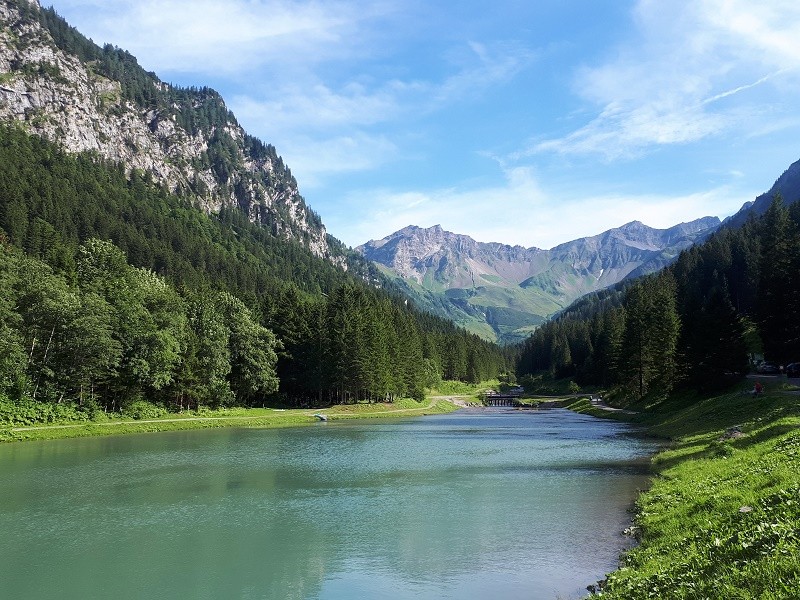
x=114 y=290
x=693 y=324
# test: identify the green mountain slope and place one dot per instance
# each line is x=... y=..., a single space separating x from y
x=113 y=183
x=59 y=85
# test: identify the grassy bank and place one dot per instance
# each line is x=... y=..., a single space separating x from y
x=240 y=417
x=722 y=518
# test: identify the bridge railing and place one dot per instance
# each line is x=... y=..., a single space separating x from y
x=492 y=398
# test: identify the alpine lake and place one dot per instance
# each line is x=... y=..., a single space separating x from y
x=477 y=504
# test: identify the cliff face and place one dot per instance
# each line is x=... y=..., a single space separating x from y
x=57 y=84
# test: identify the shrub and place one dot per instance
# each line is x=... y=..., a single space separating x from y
x=28 y=412
x=142 y=409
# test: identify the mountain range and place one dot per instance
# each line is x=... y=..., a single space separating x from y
x=504 y=292
x=57 y=84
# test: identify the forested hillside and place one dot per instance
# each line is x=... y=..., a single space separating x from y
x=693 y=324
x=58 y=84
x=116 y=290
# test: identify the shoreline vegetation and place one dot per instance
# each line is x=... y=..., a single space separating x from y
x=64 y=421
x=236 y=417
x=722 y=516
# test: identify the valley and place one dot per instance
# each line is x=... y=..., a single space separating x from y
x=162 y=274
x=504 y=292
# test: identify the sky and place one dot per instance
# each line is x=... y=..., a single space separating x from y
x=514 y=121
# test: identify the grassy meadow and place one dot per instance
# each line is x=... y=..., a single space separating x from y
x=722 y=518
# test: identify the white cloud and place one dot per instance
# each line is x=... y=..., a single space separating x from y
x=769 y=30
x=203 y=36
x=318 y=105
x=316 y=125
x=494 y=66
x=312 y=159
x=687 y=76
x=520 y=212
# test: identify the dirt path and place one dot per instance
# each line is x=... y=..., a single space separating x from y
x=463 y=401
x=603 y=406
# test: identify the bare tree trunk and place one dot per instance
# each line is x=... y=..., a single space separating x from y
x=30 y=354
x=44 y=360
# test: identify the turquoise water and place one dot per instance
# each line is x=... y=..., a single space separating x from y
x=498 y=504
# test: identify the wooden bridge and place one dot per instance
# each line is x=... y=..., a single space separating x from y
x=502 y=399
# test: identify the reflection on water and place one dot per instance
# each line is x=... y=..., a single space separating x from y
x=476 y=504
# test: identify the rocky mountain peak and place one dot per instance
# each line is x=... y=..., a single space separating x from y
x=57 y=84
x=512 y=288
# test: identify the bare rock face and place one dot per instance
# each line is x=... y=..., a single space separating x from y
x=510 y=289
x=450 y=259
x=54 y=94
x=457 y=261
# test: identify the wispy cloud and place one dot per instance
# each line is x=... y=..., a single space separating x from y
x=519 y=212
x=741 y=88
x=231 y=37
x=317 y=124
x=495 y=65
x=318 y=104
x=685 y=76
x=318 y=158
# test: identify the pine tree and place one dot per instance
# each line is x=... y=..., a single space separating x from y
x=779 y=291
x=649 y=342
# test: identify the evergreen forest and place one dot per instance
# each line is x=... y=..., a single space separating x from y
x=116 y=291
x=699 y=324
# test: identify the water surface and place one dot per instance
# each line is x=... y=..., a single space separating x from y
x=476 y=504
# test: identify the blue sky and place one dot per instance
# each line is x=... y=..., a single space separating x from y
x=516 y=121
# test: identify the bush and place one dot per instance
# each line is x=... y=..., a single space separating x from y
x=142 y=409
x=448 y=387
x=93 y=411
x=28 y=412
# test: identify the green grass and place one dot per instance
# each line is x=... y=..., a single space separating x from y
x=238 y=417
x=722 y=518
x=458 y=388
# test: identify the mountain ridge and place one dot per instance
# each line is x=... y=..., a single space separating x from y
x=512 y=288
x=787 y=185
x=58 y=84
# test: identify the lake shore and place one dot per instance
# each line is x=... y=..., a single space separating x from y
x=721 y=517
x=435 y=507
x=239 y=417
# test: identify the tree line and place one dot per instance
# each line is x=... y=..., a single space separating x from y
x=116 y=290
x=697 y=323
